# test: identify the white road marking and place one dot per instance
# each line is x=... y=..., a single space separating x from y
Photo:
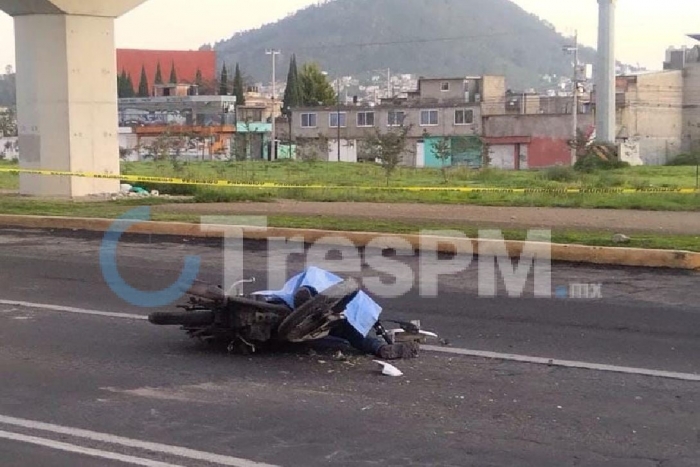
x=132 y=443
x=430 y=348
x=70 y=309
x=49 y=443
x=564 y=363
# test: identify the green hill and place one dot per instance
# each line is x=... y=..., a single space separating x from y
x=424 y=37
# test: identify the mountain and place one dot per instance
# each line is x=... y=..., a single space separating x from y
x=425 y=37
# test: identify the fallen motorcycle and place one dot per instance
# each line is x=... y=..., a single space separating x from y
x=247 y=322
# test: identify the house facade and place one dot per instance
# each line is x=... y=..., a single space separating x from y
x=649 y=110
x=439 y=108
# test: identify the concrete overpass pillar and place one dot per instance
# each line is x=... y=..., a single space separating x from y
x=606 y=127
x=67 y=92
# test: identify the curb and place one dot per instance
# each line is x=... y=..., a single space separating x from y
x=635 y=257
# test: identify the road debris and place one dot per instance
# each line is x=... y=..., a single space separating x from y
x=389 y=370
x=620 y=238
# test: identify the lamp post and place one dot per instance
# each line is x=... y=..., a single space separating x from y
x=338 y=98
x=273 y=147
x=574 y=49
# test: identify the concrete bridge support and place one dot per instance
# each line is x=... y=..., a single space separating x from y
x=67 y=92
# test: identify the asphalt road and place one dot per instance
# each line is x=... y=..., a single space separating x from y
x=63 y=372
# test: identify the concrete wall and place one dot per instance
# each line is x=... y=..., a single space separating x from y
x=554 y=126
x=446 y=122
x=548 y=136
x=432 y=89
x=651 y=114
x=493 y=95
x=691 y=108
x=548 y=151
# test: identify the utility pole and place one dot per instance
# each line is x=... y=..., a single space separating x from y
x=338 y=91
x=273 y=148
x=388 y=84
x=574 y=109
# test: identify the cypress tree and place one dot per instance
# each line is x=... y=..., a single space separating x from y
x=121 y=84
x=173 y=74
x=143 y=84
x=238 y=90
x=223 y=82
x=159 y=75
x=293 y=94
x=129 y=87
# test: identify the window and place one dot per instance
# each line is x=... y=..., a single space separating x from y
x=396 y=118
x=365 y=119
x=445 y=86
x=428 y=118
x=308 y=121
x=333 y=119
x=464 y=117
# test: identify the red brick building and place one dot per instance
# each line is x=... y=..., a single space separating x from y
x=186 y=64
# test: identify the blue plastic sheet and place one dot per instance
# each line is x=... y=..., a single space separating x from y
x=362 y=312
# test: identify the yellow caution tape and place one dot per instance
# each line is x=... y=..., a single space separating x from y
x=213 y=182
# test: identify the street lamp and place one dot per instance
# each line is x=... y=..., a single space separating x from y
x=273 y=147
x=574 y=49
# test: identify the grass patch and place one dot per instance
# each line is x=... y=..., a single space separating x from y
x=370 y=175
x=114 y=209
x=636 y=201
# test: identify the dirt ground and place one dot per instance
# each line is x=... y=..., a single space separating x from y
x=617 y=221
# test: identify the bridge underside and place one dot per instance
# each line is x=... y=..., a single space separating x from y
x=67 y=92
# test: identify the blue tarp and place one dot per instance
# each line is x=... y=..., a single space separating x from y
x=362 y=312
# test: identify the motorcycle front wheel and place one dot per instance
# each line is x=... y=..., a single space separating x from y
x=314 y=314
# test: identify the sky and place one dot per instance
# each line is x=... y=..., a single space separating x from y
x=645 y=27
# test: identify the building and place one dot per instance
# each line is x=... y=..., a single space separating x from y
x=259 y=108
x=649 y=110
x=661 y=110
x=193 y=127
x=440 y=107
x=186 y=63
x=518 y=142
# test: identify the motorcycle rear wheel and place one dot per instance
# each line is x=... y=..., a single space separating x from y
x=314 y=314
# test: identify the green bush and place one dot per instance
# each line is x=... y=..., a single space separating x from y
x=559 y=173
x=685 y=160
x=592 y=163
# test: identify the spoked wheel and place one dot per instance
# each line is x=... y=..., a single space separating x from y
x=315 y=314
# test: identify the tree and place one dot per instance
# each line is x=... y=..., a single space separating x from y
x=238 y=86
x=173 y=74
x=144 y=90
x=8 y=89
x=198 y=80
x=8 y=124
x=121 y=84
x=315 y=87
x=129 y=87
x=388 y=148
x=159 y=75
x=442 y=150
x=223 y=82
x=293 y=94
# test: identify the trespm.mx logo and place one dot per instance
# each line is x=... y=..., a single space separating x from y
x=580 y=291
